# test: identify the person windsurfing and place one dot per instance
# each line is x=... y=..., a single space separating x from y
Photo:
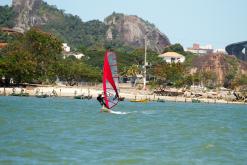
x=100 y=99
x=110 y=80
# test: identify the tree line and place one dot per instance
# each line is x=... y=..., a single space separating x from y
x=36 y=57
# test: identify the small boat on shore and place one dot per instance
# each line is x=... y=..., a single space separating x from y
x=121 y=98
x=42 y=96
x=196 y=101
x=83 y=97
x=20 y=94
x=161 y=100
x=139 y=101
x=79 y=97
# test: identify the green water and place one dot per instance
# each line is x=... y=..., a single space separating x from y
x=67 y=131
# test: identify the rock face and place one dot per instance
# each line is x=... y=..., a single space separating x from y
x=131 y=30
x=121 y=29
x=27 y=13
x=219 y=64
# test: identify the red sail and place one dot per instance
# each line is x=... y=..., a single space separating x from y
x=110 y=80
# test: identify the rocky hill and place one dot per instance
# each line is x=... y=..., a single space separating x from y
x=117 y=29
x=223 y=66
x=132 y=29
x=28 y=14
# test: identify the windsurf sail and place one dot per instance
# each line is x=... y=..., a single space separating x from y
x=110 y=80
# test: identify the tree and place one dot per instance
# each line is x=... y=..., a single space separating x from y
x=73 y=71
x=7 y=16
x=46 y=50
x=32 y=56
x=170 y=73
x=175 y=48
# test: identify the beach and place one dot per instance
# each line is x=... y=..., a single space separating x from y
x=126 y=91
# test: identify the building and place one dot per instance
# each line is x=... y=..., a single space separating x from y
x=8 y=31
x=201 y=50
x=220 y=51
x=2 y=45
x=67 y=52
x=65 y=47
x=172 y=57
x=238 y=49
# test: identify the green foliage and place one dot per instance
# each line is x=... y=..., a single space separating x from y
x=46 y=50
x=71 y=29
x=170 y=73
x=4 y=37
x=37 y=56
x=175 y=48
x=232 y=71
x=20 y=66
x=7 y=16
x=74 y=71
x=240 y=80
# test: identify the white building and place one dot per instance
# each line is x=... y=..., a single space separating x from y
x=201 y=50
x=77 y=55
x=220 y=51
x=65 y=47
x=172 y=57
x=67 y=53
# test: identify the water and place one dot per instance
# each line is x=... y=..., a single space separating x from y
x=67 y=131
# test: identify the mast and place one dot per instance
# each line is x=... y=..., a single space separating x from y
x=145 y=63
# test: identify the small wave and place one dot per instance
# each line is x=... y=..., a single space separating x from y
x=149 y=112
x=119 y=113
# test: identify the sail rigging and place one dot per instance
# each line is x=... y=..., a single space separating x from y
x=110 y=80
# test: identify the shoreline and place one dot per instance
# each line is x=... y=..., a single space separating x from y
x=127 y=92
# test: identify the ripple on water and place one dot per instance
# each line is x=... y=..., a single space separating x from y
x=66 y=131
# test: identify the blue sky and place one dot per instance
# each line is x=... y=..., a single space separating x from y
x=216 y=22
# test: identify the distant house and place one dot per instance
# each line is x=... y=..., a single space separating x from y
x=201 y=50
x=3 y=45
x=67 y=52
x=65 y=47
x=172 y=57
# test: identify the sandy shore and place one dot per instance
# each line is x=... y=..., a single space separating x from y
x=125 y=91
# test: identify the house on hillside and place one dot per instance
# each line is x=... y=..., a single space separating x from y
x=3 y=45
x=172 y=57
x=67 y=52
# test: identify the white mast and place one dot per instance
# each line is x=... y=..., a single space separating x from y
x=145 y=63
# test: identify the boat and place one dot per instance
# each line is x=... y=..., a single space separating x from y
x=161 y=100
x=42 y=95
x=196 y=101
x=121 y=98
x=83 y=97
x=110 y=81
x=140 y=100
x=79 y=97
x=20 y=94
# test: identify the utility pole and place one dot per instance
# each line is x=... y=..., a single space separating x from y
x=145 y=63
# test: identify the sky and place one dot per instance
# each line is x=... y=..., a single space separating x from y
x=215 y=22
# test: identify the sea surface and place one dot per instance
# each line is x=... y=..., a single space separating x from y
x=68 y=131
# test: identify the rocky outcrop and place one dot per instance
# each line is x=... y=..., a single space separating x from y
x=27 y=13
x=220 y=64
x=132 y=30
x=121 y=29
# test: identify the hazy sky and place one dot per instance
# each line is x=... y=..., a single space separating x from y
x=216 y=22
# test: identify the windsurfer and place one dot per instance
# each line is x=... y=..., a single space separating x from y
x=101 y=101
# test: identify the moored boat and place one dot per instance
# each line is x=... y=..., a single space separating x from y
x=140 y=100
